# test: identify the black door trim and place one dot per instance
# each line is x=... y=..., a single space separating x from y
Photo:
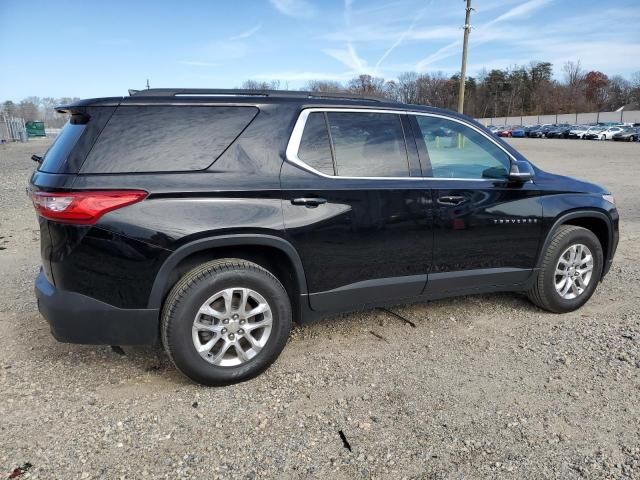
x=368 y=292
x=445 y=282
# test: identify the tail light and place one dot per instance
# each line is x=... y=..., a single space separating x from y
x=82 y=207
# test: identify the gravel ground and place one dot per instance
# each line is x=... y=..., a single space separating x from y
x=482 y=387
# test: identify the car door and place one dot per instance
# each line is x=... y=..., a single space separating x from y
x=356 y=208
x=487 y=229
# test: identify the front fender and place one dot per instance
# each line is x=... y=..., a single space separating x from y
x=565 y=208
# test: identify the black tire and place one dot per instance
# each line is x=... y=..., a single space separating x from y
x=189 y=294
x=543 y=292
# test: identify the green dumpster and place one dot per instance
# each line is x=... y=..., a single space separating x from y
x=35 y=129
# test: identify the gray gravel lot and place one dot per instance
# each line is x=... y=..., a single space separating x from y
x=483 y=386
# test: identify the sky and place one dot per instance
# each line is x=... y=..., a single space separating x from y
x=91 y=49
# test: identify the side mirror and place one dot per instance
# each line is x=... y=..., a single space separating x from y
x=36 y=158
x=521 y=171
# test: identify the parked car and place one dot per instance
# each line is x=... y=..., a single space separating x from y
x=560 y=131
x=504 y=132
x=629 y=134
x=541 y=131
x=519 y=132
x=609 y=132
x=495 y=128
x=594 y=133
x=578 y=131
x=210 y=220
x=528 y=129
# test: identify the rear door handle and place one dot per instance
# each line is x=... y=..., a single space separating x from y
x=451 y=200
x=311 y=202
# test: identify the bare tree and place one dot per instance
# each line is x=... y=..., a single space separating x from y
x=29 y=109
x=574 y=82
x=408 y=87
x=327 y=86
x=367 y=85
x=261 y=85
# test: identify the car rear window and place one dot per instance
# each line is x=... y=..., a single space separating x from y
x=166 y=138
x=56 y=156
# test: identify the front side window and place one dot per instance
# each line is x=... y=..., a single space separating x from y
x=458 y=151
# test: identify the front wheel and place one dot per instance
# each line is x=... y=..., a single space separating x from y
x=570 y=270
x=225 y=321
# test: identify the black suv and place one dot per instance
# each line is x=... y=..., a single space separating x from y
x=212 y=219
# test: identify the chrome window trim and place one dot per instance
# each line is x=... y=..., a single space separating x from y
x=293 y=146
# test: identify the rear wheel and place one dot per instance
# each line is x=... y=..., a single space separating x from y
x=570 y=270
x=225 y=321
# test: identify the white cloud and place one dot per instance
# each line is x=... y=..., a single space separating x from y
x=483 y=33
x=400 y=39
x=294 y=8
x=519 y=11
x=349 y=58
x=247 y=33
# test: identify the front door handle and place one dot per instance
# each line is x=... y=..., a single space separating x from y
x=451 y=200
x=310 y=202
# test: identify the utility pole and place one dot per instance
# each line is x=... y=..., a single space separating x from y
x=147 y=84
x=463 y=70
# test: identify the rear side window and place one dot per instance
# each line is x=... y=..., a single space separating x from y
x=368 y=144
x=55 y=158
x=166 y=138
x=355 y=144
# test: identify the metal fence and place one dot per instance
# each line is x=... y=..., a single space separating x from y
x=12 y=129
x=570 y=118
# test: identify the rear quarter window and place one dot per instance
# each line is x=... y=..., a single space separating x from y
x=56 y=156
x=166 y=138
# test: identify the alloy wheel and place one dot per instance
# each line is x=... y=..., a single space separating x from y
x=232 y=326
x=573 y=271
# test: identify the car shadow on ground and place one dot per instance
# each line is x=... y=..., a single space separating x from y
x=149 y=363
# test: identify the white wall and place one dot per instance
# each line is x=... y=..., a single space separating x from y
x=624 y=116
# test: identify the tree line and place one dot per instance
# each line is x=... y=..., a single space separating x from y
x=39 y=109
x=518 y=90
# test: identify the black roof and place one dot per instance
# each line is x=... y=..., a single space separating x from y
x=195 y=96
x=202 y=95
x=221 y=92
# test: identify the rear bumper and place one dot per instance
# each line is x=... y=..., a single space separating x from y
x=77 y=318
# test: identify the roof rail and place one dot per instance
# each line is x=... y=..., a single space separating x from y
x=222 y=92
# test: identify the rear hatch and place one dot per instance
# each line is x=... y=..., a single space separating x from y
x=62 y=161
